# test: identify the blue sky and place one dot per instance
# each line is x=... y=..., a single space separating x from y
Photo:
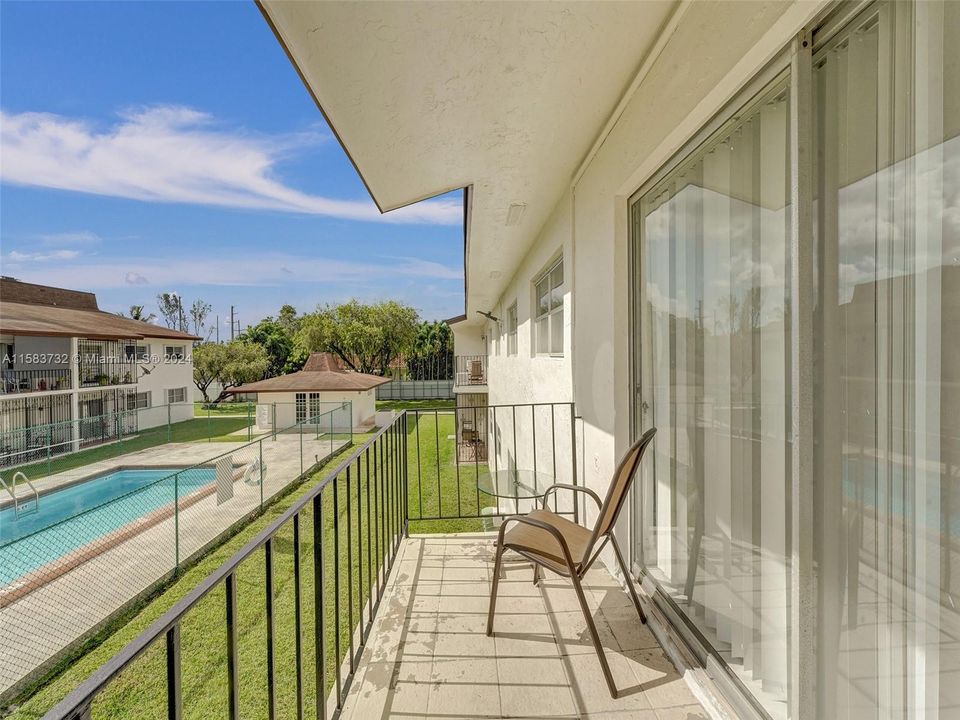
x=161 y=146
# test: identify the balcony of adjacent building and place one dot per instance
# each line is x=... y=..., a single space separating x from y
x=471 y=374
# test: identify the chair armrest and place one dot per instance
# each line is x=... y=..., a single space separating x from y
x=574 y=488
x=525 y=520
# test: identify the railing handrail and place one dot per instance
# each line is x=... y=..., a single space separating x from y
x=80 y=698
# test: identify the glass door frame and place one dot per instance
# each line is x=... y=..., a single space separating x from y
x=795 y=60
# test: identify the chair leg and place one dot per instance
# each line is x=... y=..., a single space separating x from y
x=493 y=590
x=588 y=616
x=628 y=579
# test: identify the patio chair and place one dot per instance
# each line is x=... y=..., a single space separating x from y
x=476 y=372
x=551 y=541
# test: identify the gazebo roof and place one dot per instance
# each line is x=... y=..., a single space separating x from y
x=323 y=372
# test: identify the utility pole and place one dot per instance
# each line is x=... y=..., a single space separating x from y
x=218 y=329
x=231 y=323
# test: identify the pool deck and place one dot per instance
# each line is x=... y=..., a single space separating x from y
x=36 y=627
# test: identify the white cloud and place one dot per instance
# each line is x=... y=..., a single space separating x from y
x=17 y=256
x=250 y=270
x=178 y=155
x=83 y=237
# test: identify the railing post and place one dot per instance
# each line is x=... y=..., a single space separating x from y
x=406 y=500
x=174 y=684
x=209 y=433
x=260 y=447
x=274 y=422
x=573 y=460
x=169 y=428
x=249 y=422
x=301 y=449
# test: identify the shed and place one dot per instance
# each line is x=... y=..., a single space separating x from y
x=323 y=385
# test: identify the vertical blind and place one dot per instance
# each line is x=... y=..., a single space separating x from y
x=887 y=406
x=713 y=344
x=715 y=310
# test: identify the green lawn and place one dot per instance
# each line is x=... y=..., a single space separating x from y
x=200 y=409
x=140 y=692
x=437 y=487
x=415 y=404
x=213 y=429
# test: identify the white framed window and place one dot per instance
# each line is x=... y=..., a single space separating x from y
x=174 y=352
x=548 y=304
x=138 y=401
x=301 y=407
x=176 y=395
x=512 y=330
x=136 y=352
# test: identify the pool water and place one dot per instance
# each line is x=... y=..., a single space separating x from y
x=70 y=518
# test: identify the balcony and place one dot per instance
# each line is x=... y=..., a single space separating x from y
x=17 y=382
x=471 y=373
x=103 y=363
x=368 y=597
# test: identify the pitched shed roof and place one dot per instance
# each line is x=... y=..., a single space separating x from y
x=28 y=309
x=323 y=372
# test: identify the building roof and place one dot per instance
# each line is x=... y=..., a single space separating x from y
x=29 y=309
x=323 y=372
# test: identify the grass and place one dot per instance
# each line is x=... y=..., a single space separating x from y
x=437 y=487
x=200 y=409
x=415 y=404
x=213 y=429
x=140 y=691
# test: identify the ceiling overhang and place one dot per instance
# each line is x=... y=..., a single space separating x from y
x=505 y=99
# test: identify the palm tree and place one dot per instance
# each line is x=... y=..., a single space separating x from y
x=137 y=313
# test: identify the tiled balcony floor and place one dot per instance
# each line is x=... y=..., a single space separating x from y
x=428 y=655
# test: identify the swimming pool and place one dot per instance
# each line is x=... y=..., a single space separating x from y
x=80 y=513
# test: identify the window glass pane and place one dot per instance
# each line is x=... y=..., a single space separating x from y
x=713 y=316
x=543 y=299
x=556 y=286
x=556 y=332
x=887 y=365
x=543 y=335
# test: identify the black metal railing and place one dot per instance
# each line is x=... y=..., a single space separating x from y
x=471 y=370
x=28 y=381
x=105 y=362
x=352 y=523
x=460 y=460
x=411 y=475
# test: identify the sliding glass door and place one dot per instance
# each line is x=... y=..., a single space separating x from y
x=887 y=398
x=714 y=310
x=712 y=288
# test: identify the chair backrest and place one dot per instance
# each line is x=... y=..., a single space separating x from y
x=620 y=486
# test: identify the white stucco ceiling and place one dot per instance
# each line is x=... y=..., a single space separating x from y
x=506 y=98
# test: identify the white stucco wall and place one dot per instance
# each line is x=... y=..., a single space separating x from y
x=363 y=406
x=707 y=56
x=166 y=375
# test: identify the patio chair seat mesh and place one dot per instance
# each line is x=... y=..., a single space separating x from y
x=540 y=544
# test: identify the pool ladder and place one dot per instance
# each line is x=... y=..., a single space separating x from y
x=22 y=506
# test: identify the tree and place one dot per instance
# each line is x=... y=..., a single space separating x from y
x=199 y=311
x=137 y=312
x=208 y=363
x=171 y=309
x=273 y=337
x=432 y=355
x=231 y=364
x=367 y=337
